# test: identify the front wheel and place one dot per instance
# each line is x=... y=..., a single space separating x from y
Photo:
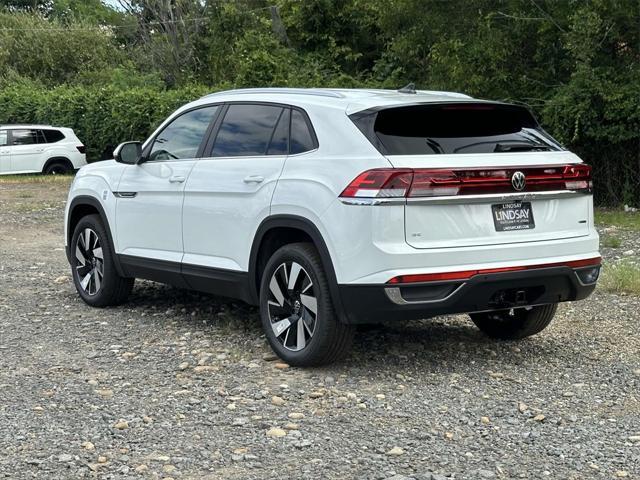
x=296 y=309
x=92 y=262
x=515 y=323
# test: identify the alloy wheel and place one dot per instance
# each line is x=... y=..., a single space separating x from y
x=292 y=306
x=89 y=261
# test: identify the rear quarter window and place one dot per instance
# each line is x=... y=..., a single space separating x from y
x=302 y=139
x=457 y=128
x=53 y=136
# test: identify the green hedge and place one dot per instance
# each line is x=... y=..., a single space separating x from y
x=100 y=117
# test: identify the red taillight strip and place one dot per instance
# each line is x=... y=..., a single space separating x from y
x=435 y=182
x=467 y=274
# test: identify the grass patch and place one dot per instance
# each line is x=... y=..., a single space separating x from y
x=618 y=218
x=622 y=277
x=610 y=241
x=35 y=178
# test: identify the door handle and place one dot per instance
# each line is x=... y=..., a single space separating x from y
x=177 y=179
x=253 y=179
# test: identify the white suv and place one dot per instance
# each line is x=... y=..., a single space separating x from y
x=329 y=208
x=39 y=149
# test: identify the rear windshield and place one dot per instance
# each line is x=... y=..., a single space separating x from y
x=457 y=128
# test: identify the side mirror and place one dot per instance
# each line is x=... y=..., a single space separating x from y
x=128 y=152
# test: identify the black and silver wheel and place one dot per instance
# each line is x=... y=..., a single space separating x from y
x=94 y=272
x=89 y=261
x=515 y=323
x=292 y=306
x=296 y=309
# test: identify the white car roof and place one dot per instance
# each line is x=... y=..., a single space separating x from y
x=349 y=100
x=25 y=125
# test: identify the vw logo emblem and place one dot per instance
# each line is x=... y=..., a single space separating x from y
x=518 y=180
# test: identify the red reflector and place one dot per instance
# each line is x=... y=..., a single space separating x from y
x=467 y=274
x=389 y=182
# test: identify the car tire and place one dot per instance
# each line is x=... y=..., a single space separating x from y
x=57 y=168
x=96 y=279
x=293 y=285
x=515 y=323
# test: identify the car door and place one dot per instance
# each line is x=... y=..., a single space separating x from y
x=229 y=191
x=5 y=152
x=26 y=150
x=150 y=194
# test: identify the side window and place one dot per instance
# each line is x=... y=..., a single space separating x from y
x=183 y=136
x=280 y=140
x=53 y=136
x=24 y=137
x=4 y=140
x=246 y=130
x=301 y=138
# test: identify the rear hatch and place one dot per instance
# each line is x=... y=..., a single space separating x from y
x=480 y=173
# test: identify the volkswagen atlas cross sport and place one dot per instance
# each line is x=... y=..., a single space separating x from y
x=328 y=208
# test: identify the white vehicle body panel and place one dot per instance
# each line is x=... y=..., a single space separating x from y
x=149 y=224
x=225 y=201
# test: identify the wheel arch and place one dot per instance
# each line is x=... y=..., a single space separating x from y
x=80 y=207
x=296 y=229
x=57 y=159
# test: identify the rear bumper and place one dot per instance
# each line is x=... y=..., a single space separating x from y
x=389 y=302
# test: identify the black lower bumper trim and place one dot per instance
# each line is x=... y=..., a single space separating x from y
x=378 y=303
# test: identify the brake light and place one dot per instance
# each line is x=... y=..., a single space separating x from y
x=467 y=274
x=81 y=148
x=389 y=182
x=382 y=182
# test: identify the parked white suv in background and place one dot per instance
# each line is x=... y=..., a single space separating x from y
x=39 y=149
x=331 y=207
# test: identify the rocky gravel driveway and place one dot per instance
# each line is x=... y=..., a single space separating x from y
x=182 y=385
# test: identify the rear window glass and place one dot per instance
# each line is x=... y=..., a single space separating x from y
x=454 y=129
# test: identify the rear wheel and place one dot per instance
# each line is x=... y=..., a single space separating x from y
x=92 y=261
x=515 y=323
x=297 y=313
x=58 y=168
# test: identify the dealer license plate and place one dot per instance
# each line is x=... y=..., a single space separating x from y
x=508 y=217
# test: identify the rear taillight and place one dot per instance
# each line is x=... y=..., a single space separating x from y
x=81 y=148
x=382 y=182
x=388 y=182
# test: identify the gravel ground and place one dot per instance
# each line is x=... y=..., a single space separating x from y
x=182 y=385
